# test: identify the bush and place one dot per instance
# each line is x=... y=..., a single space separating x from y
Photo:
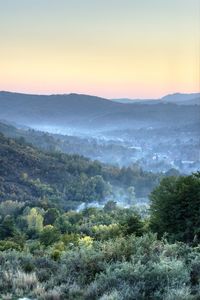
x=49 y=235
x=6 y=245
x=135 y=280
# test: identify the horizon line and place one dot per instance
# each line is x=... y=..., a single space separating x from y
x=97 y=96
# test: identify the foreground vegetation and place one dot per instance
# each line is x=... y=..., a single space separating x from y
x=49 y=251
x=108 y=253
x=119 y=268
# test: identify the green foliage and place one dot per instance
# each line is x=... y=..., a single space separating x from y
x=107 y=264
x=70 y=239
x=34 y=220
x=175 y=208
x=48 y=251
x=85 y=242
x=104 y=232
x=134 y=280
x=6 y=245
x=132 y=224
x=10 y=207
x=49 y=235
x=55 y=255
x=7 y=228
x=30 y=175
x=51 y=216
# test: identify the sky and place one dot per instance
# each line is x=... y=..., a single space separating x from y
x=109 y=48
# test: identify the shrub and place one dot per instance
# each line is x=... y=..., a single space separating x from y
x=134 y=280
x=6 y=245
x=49 y=235
x=85 y=242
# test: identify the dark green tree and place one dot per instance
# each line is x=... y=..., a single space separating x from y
x=49 y=235
x=132 y=224
x=175 y=207
x=50 y=216
x=7 y=228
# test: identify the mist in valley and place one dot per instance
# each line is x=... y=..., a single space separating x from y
x=156 y=136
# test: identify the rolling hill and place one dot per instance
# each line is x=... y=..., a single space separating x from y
x=30 y=174
x=82 y=112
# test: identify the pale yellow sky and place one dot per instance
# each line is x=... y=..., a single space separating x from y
x=110 y=48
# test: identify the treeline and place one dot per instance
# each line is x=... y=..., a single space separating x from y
x=108 y=253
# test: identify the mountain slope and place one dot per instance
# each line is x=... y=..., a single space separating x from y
x=82 y=112
x=29 y=174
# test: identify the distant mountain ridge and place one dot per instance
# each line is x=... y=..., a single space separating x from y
x=176 y=98
x=83 y=112
x=183 y=99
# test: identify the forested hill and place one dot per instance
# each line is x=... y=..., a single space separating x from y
x=89 y=112
x=29 y=174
